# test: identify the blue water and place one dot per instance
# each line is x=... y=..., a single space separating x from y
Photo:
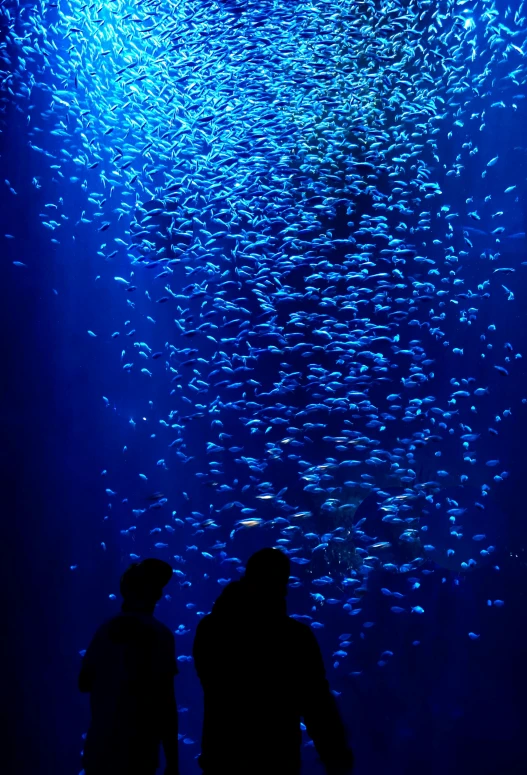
x=262 y=272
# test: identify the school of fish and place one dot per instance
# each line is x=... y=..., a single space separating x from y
x=305 y=316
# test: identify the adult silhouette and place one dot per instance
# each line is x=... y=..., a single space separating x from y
x=262 y=672
x=129 y=670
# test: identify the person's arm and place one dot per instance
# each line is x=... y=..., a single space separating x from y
x=85 y=679
x=321 y=715
x=87 y=671
x=169 y=726
x=207 y=652
x=168 y=706
x=197 y=650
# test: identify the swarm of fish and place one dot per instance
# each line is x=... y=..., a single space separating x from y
x=303 y=309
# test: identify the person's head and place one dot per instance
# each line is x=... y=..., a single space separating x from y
x=142 y=584
x=267 y=572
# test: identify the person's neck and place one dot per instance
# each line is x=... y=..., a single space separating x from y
x=137 y=608
x=276 y=605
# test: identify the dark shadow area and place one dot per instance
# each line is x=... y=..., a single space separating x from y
x=262 y=673
x=128 y=671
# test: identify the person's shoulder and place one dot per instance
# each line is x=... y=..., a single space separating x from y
x=142 y=623
x=209 y=629
x=104 y=634
x=105 y=627
x=299 y=630
x=161 y=629
x=205 y=622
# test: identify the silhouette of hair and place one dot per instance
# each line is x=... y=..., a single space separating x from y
x=145 y=579
x=268 y=569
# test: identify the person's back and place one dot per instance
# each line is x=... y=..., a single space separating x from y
x=128 y=670
x=262 y=672
x=129 y=658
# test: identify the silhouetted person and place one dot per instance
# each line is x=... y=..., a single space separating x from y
x=129 y=671
x=261 y=673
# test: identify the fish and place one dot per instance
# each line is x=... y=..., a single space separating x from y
x=275 y=182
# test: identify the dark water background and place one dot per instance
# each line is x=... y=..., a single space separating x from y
x=451 y=705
